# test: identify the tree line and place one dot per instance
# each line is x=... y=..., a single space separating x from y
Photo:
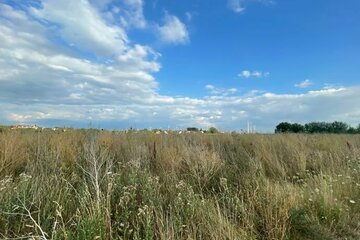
x=317 y=127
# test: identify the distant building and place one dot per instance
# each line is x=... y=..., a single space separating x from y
x=24 y=127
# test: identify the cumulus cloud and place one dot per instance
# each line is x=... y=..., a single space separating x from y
x=46 y=78
x=38 y=70
x=91 y=33
x=304 y=84
x=256 y=74
x=128 y=12
x=173 y=31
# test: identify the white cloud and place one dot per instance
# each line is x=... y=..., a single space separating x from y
x=173 y=31
x=236 y=6
x=210 y=87
x=128 y=12
x=189 y=16
x=90 y=33
x=45 y=82
x=304 y=84
x=41 y=71
x=220 y=91
x=267 y=2
x=101 y=3
x=132 y=13
x=256 y=74
x=266 y=110
x=245 y=74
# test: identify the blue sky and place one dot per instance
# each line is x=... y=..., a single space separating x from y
x=161 y=63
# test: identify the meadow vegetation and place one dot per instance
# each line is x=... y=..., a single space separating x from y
x=140 y=185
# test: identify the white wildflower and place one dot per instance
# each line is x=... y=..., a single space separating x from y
x=181 y=184
x=24 y=177
x=141 y=211
x=223 y=182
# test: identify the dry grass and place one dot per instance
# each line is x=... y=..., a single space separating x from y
x=138 y=185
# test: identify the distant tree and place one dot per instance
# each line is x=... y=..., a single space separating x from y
x=318 y=127
x=297 y=128
x=283 y=127
x=286 y=127
x=339 y=127
x=311 y=127
x=352 y=130
x=324 y=127
x=213 y=130
x=358 y=129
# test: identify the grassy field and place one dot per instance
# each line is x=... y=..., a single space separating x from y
x=103 y=185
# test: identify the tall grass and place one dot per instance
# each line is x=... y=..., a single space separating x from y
x=137 y=185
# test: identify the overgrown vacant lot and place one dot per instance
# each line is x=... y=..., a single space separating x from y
x=103 y=185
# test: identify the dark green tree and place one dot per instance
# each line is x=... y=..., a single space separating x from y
x=297 y=128
x=318 y=127
x=339 y=127
x=358 y=129
x=283 y=127
x=213 y=130
x=351 y=130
